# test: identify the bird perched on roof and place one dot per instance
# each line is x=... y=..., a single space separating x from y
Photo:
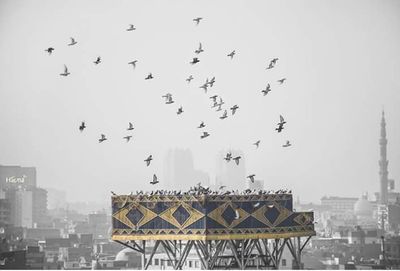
x=194 y=61
x=82 y=126
x=130 y=127
x=190 y=78
x=255 y=205
x=204 y=135
x=231 y=54
x=150 y=76
x=103 y=138
x=225 y=115
x=197 y=20
x=180 y=110
x=127 y=138
x=131 y=27
x=49 y=50
x=234 y=108
x=133 y=63
x=65 y=73
x=237 y=158
x=202 y=125
x=281 y=80
x=98 y=60
x=148 y=160
x=287 y=144
x=257 y=143
x=200 y=49
x=266 y=90
x=228 y=157
x=73 y=42
x=221 y=187
x=154 y=181
x=251 y=177
x=237 y=215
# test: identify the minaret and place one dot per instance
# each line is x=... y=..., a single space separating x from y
x=383 y=163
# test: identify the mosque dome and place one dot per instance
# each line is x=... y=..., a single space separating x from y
x=363 y=207
x=125 y=255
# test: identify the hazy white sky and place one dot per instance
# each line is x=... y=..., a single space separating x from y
x=341 y=60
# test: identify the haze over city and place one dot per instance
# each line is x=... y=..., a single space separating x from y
x=340 y=59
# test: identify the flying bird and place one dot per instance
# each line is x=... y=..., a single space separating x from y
x=130 y=126
x=251 y=177
x=131 y=27
x=73 y=42
x=154 y=181
x=197 y=20
x=194 y=61
x=103 y=138
x=150 y=76
x=190 y=78
x=237 y=159
x=113 y=193
x=214 y=98
x=225 y=115
x=257 y=143
x=133 y=63
x=127 y=138
x=204 y=135
x=202 y=125
x=272 y=63
x=205 y=86
x=281 y=120
x=148 y=160
x=98 y=61
x=169 y=100
x=180 y=110
x=234 y=108
x=228 y=157
x=82 y=127
x=279 y=128
x=287 y=144
x=211 y=83
x=231 y=54
x=266 y=90
x=65 y=73
x=281 y=80
x=198 y=51
x=49 y=50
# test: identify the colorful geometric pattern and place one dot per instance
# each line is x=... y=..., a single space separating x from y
x=207 y=217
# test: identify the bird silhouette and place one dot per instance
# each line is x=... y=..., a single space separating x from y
x=148 y=160
x=127 y=138
x=150 y=76
x=266 y=90
x=197 y=20
x=194 y=61
x=251 y=177
x=190 y=78
x=212 y=81
x=169 y=100
x=236 y=159
x=279 y=128
x=270 y=66
x=82 y=126
x=281 y=80
x=219 y=107
x=133 y=63
x=49 y=50
x=113 y=193
x=65 y=73
x=228 y=157
x=231 y=54
x=202 y=125
x=103 y=138
x=130 y=126
x=214 y=98
x=204 y=135
x=287 y=144
x=234 y=108
x=200 y=49
x=154 y=181
x=257 y=143
x=281 y=120
x=205 y=86
x=98 y=60
x=225 y=115
x=73 y=42
x=180 y=110
x=131 y=28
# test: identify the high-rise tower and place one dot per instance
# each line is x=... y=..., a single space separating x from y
x=383 y=163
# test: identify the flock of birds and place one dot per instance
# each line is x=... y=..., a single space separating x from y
x=217 y=102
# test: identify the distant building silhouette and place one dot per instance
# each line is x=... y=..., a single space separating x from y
x=383 y=163
x=179 y=171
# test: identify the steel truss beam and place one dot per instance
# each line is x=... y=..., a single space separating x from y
x=225 y=254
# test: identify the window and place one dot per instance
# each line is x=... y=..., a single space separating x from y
x=169 y=263
x=283 y=262
x=196 y=264
x=156 y=261
x=190 y=264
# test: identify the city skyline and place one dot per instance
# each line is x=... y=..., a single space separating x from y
x=340 y=72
